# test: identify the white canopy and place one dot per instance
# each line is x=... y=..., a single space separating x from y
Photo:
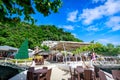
x=7 y=48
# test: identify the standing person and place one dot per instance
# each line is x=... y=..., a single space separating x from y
x=93 y=56
x=33 y=63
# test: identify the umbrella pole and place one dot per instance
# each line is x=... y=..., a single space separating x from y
x=65 y=52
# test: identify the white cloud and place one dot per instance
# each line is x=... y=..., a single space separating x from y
x=114 y=23
x=104 y=41
x=108 y=40
x=68 y=27
x=96 y=1
x=72 y=16
x=92 y=28
x=110 y=8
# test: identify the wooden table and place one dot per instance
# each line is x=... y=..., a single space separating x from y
x=39 y=72
x=79 y=72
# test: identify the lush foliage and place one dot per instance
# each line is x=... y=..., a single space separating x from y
x=14 y=35
x=108 y=50
x=46 y=48
x=14 y=9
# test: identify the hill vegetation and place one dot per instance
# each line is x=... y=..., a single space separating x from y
x=15 y=34
x=106 y=50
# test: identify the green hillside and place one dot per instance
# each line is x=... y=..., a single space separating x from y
x=15 y=34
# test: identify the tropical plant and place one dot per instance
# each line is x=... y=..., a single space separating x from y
x=15 y=35
x=12 y=10
x=108 y=50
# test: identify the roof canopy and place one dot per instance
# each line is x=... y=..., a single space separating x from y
x=7 y=48
x=68 y=45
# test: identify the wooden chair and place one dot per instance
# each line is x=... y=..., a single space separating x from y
x=102 y=75
x=45 y=67
x=96 y=70
x=31 y=76
x=116 y=74
x=73 y=74
x=89 y=75
x=31 y=69
x=79 y=66
x=80 y=76
x=47 y=76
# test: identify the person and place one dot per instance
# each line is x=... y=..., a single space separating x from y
x=93 y=56
x=33 y=63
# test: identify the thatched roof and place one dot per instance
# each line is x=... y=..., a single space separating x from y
x=68 y=45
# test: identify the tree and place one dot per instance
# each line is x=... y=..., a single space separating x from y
x=92 y=41
x=45 y=47
x=14 y=9
x=109 y=45
x=15 y=35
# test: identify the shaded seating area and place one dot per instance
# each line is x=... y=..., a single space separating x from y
x=39 y=74
x=7 y=51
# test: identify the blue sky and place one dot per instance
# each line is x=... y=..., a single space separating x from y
x=88 y=20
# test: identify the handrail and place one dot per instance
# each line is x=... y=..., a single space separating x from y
x=4 y=62
x=9 y=64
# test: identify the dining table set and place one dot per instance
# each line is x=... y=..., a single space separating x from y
x=80 y=73
x=38 y=74
x=88 y=73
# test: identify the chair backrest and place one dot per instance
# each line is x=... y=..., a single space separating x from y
x=30 y=75
x=88 y=75
x=102 y=75
x=31 y=69
x=79 y=76
x=96 y=70
x=48 y=74
x=79 y=66
x=115 y=74
x=45 y=67
x=72 y=71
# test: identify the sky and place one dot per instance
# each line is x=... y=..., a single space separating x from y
x=88 y=20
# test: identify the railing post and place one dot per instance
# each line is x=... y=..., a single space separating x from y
x=16 y=62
